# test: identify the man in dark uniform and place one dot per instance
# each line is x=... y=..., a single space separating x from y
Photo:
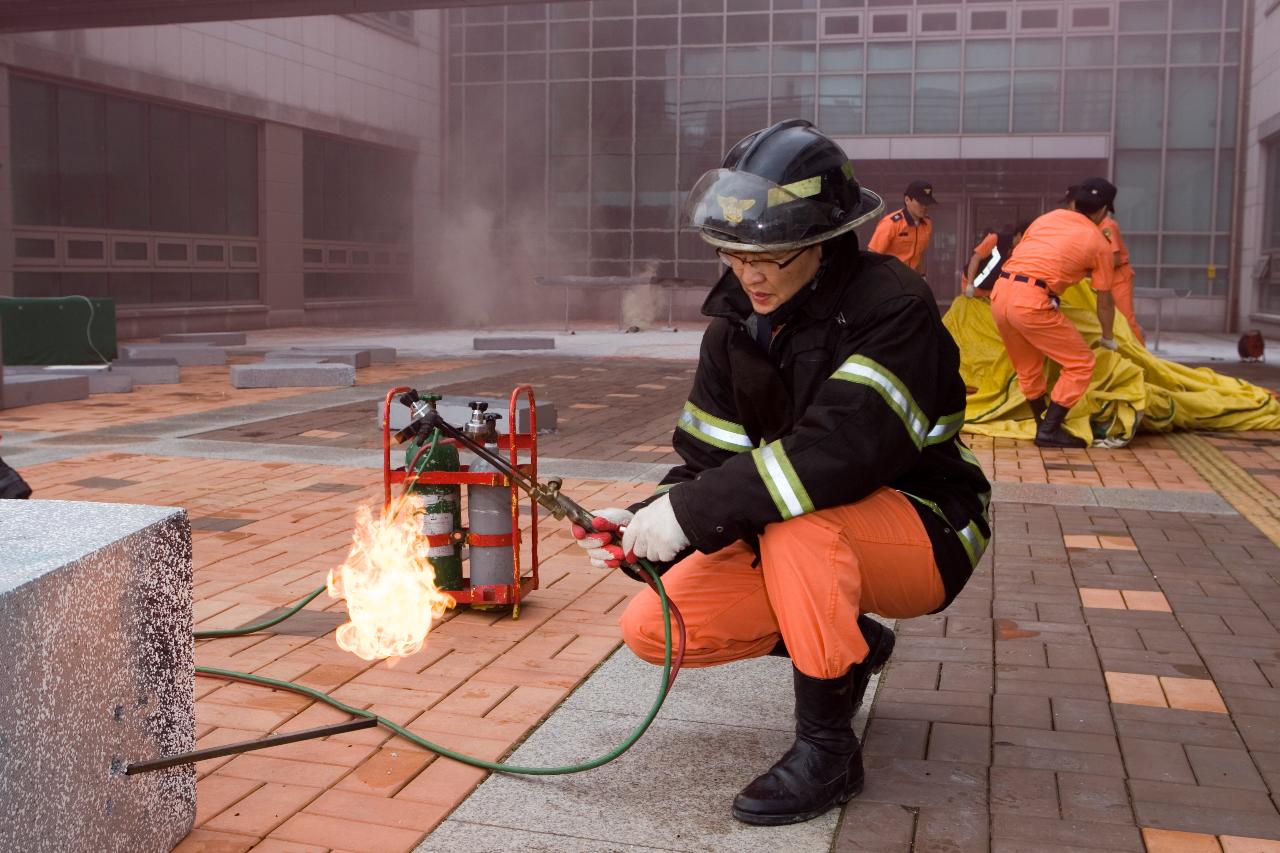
x=905 y=233
x=823 y=477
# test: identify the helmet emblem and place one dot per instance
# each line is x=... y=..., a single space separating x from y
x=734 y=208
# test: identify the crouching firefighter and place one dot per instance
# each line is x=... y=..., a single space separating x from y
x=823 y=477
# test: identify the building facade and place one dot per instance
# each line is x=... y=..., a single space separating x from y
x=583 y=123
x=1259 y=301
x=227 y=175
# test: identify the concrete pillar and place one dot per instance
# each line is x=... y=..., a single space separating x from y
x=6 y=190
x=280 y=224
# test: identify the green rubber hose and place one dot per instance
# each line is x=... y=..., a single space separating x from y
x=435 y=747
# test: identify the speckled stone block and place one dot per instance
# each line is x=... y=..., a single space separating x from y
x=377 y=354
x=96 y=673
x=217 y=339
x=355 y=357
x=149 y=371
x=101 y=380
x=512 y=343
x=187 y=355
x=291 y=374
x=32 y=390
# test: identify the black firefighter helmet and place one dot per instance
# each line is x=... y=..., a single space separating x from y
x=779 y=189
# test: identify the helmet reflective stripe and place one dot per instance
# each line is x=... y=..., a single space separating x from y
x=996 y=257
x=717 y=432
x=784 y=486
x=946 y=427
x=863 y=371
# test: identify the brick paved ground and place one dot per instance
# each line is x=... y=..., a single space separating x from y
x=1109 y=680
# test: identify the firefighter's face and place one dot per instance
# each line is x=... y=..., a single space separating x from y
x=915 y=208
x=769 y=279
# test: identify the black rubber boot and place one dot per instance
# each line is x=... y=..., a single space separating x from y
x=822 y=769
x=880 y=642
x=1050 y=432
x=1037 y=409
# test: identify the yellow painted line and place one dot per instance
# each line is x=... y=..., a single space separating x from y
x=1237 y=486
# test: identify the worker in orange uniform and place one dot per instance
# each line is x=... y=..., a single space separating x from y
x=823 y=476
x=988 y=259
x=1122 y=280
x=1059 y=249
x=905 y=232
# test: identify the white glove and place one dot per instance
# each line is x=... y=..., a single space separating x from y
x=1109 y=343
x=655 y=534
x=601 y=544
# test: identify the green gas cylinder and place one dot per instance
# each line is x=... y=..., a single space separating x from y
x=439 y=505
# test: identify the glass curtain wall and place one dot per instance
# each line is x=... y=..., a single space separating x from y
x=599 y=116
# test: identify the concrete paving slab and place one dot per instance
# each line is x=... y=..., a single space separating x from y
x=288 y=374
x=355 y=358
x=377 y=354
x=219 y=339
x=32 y=390
x=101 y=379
x=506 y=343
x=187 y=355
x=452 y=837
x=149 y=371
x=1156 y=500
x=634 y=800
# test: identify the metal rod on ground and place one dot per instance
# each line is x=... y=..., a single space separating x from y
x=249 y=745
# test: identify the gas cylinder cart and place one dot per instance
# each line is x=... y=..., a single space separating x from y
x=432 y=477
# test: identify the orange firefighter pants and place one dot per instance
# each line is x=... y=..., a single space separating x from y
x=1122 y=292
x=1032 y=328
x=816 y=573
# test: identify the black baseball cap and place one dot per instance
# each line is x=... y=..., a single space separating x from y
x=921 y=191
x=1092 y=194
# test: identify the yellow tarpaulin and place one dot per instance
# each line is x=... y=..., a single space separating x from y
x=1131 y=389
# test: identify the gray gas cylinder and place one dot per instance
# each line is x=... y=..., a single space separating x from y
x=489 y=514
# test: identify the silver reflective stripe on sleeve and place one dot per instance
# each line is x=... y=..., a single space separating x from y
x=981 y=278
x=864 y=371
x=717 y=432
x=784 y=486
x=970 y=536
x=946 y=427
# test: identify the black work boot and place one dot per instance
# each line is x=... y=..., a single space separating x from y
x=880 y=641
x=1050 y=432
x=822 y=769
x=1037 y=409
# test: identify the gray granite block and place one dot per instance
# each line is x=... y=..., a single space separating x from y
x=497 y=343
x=101 y=380
x=149 y=371
x=96 y=673
x=377 y=354
x=217 y=339
x=187 y=355
x=288 y=374
x=31 y=390
x=457 y=411
x=355 y=357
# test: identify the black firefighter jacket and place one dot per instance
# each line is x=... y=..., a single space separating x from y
x=859 y=389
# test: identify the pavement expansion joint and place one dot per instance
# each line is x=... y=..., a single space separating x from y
x=1240 y=488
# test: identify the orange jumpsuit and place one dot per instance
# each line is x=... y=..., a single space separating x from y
x=1059 y=249
x=903 y=236
x=1122 y=283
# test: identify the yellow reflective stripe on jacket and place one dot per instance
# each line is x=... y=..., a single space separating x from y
x=946 y=427
x=967 y=455
x=717 y=432
x=970 y=536
x=780 y=478
x=863 y=371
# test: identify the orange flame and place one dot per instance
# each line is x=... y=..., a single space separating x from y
x=389 y=585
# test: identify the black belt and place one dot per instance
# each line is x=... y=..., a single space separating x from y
x=1037 y=282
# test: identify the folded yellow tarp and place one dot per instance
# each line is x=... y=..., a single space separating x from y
x=1131 y=389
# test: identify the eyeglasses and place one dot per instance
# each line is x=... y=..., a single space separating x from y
x=761 y=265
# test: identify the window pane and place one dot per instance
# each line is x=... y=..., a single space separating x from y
x=793 y=97
x=242 y=178
x=1139 y=107
x=33 y=131
x=1194 y=48
x=986 y=102
x=701 y=61
x=794 y=58
x=1226 y=172
x=208 y=174
x=1142 y=248
x=1037 y=53
x=987 y=53
x=937 y=104
x=1192 y=115
x=746 y=101
x=1094 y=50
x=1186 y=249
x=744 y=29
x=890 y=56
x=799 y=26
x=1088 y=101
x=1271 y=199
x=940 y=55
x=1138 y=189
x=1195 y=281
x=840 y=104
x=1145 y=16
x=128 y=202
x=312 y=187
x=168 y=144
x=82 y=158
x=1197 y=14
x=841 y=57
x=1142 y=50
x=888 y=103
x=1036 y=98
x=1188 y=191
